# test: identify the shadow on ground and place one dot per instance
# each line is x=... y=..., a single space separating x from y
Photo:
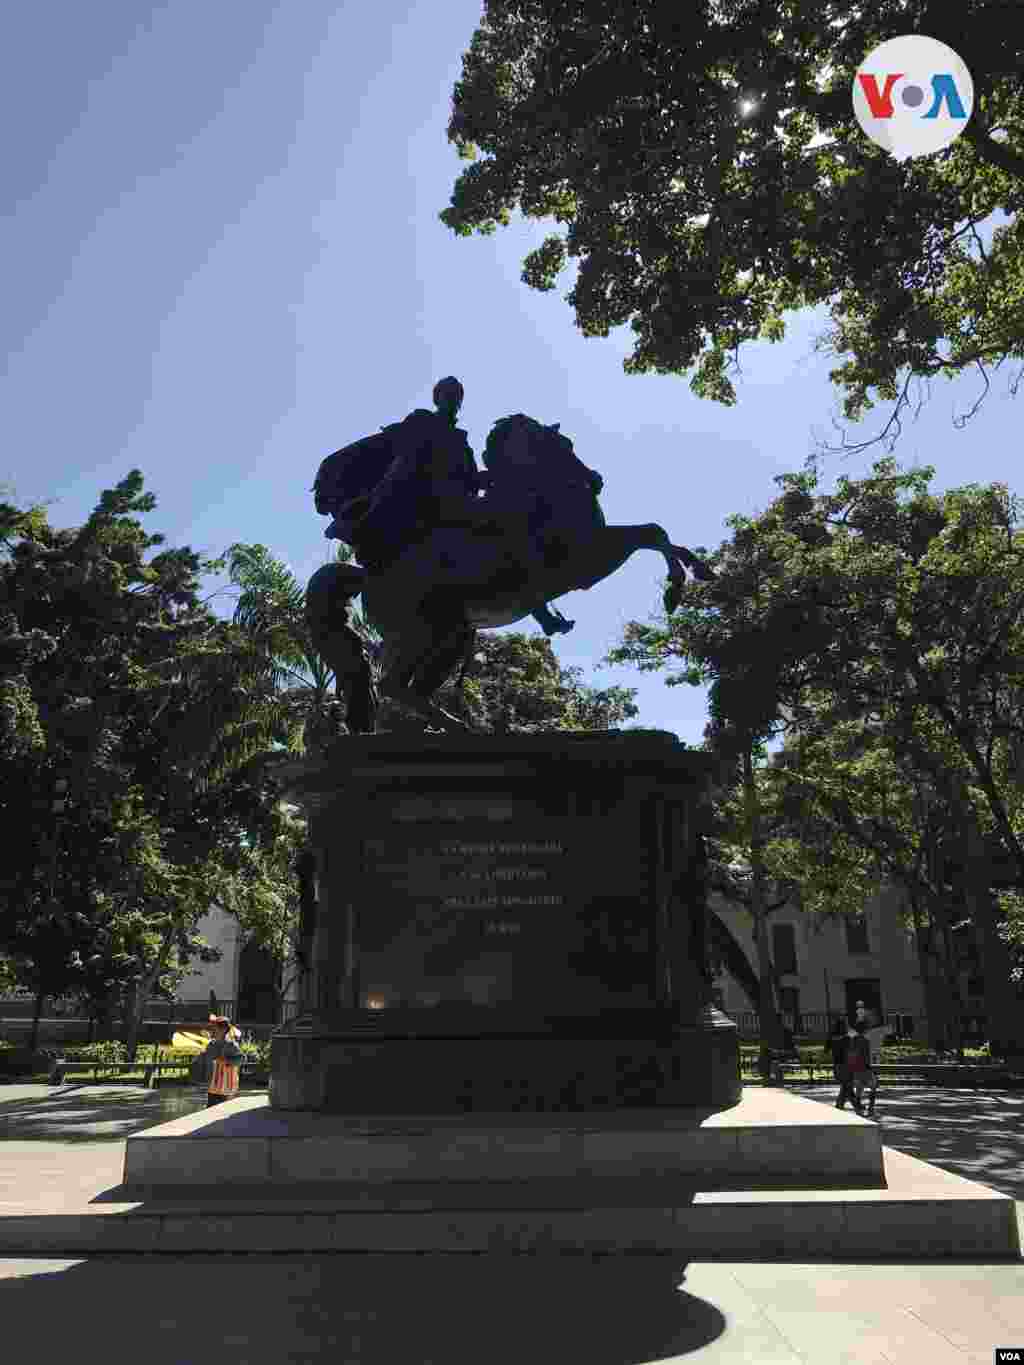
x=90 y=1113
x=433 y=1310
x=973 y=1133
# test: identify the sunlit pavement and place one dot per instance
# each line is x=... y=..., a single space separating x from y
x=90 y=1112
x=445 y=1310
x=978 y=1134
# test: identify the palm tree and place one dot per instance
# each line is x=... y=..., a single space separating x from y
x=271 y=610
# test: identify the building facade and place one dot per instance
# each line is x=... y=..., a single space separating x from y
x=244 y=978
x=826 y=965
x=221 y=931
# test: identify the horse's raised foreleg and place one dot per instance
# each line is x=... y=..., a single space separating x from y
x=701 y=571
x=677 y=557
x=602 y=554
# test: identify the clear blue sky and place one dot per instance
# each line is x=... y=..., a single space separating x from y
x=223 y=260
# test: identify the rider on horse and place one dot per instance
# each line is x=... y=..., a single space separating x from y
x=430 y=482
x=441 y=562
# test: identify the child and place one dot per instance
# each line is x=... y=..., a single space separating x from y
x=224 y=1059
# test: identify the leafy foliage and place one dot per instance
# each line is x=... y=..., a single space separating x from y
x=515 y=684
x=707 y=173
x=117 y=681
x=881 y=627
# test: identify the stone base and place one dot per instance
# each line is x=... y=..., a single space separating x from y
x=402 y=1063
x=767 y=1136
x=777 y=1177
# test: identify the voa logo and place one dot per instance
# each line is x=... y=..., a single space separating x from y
x=912 y=96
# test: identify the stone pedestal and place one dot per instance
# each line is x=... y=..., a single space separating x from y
x=505 y=923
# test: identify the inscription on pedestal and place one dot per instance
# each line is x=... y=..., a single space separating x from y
x=493 y=903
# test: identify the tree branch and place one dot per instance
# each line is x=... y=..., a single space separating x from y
x=998 y=154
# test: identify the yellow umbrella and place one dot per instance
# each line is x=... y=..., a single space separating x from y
x=190 y=1042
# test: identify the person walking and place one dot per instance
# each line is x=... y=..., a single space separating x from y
x=850 y=1056
x=834 y=1042
x=858 y=1067
x=874 y=1032
x=223 y=1058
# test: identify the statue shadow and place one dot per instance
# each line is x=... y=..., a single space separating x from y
x=432 y=1309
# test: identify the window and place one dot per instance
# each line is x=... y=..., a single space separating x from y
x=857 y=934
x=784 y=948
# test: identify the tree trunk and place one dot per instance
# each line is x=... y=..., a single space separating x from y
x=954 y=1000
x=33 y=1042
x=929 y=940
x=770 y=1026
x=105 y=1018
x=1003 y=1009
x=139 y=997
x=936 y=999
x=734 y=959
x=130 y=1023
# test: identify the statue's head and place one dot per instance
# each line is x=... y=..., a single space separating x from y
x=448 y=396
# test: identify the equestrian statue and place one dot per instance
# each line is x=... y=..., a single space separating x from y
x=445 y=550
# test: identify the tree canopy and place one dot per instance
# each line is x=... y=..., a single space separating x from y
x=890 y=613
x=514 y=683
x=707 y=173
x=118 y=682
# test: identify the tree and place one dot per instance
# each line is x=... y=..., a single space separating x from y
x=515 y=684
x=740 y=633
x=710 y=177
x=886 y=605
x=118 y=681
x=268 y=900
x=270 y=610
x=860 y=817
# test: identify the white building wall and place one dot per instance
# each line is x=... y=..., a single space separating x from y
x=824 y=962
x=220 y=930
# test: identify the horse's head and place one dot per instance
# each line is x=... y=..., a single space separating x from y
x=521 y=442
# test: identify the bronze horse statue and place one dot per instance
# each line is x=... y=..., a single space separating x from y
x=439 y=562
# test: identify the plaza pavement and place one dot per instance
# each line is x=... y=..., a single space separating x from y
x=445 y=1310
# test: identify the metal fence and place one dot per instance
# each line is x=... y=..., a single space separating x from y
x=819 y=1024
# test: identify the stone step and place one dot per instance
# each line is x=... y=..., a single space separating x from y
x=921 y=1213
x=767 y=1136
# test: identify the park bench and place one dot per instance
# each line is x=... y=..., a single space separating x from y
x=786 y=1063
x=63 y=1066
x=950 y=1073
x=152 y=1072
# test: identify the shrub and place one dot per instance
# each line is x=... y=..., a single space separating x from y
x=256 y=1050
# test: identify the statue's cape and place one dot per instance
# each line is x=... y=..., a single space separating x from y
x=355 y=470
